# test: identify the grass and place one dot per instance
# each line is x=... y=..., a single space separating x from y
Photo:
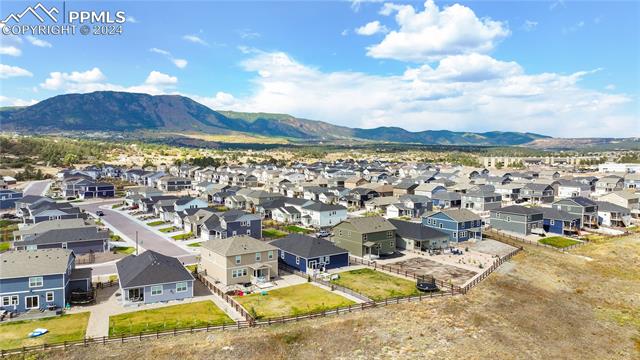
x=61 y=328
x=291 y=300
x=4 y=246
x=182 y=236
x=297 y=229
x=273 y=233
x=192 y=268
x=558 y=241
x=177 y=316
x=115 y=237
x=195 y=244
x=125 y=250
x=169 y=229
x=376 y=285
x=155 y=223
x=116 y=206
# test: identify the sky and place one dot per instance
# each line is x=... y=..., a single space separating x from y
x=559 y=68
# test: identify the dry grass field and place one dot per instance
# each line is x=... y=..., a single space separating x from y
x=543 y=304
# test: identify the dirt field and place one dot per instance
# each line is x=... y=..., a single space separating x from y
x=542 y=305
x=422 y=266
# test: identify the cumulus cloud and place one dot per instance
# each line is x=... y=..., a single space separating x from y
x=10 y=50
x=95 y=80
x=8 y=71
x=38 y=42
x=179 y=63
x=433 y=34
x=195 y=39
x=371 y=28
x=11 y=101
x=471 y=92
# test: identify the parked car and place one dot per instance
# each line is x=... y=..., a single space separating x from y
x=100 y=213
x=322 y=233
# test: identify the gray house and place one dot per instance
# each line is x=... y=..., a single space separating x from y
x=231 y=223
x=537 y=193
x=152 y=277
x=81 y=240
x=416 y=236
x=518 y=219
x=587 y=209
x=481 y=200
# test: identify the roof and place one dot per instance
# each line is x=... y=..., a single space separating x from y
x=518 y=209
x=237 y=245
x=555 y=214
x=605 y=206
x=24 y=263
x=370 y=224
x=446 y=195
x=323 y=207
x=460 y=215
x=44 y=226
x=416 y=231
x=150 y=268
x=579 y=200
x=306 y=246
x=56 y=236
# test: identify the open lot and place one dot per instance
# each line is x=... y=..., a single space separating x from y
x=440 y=271
x=184 y=315
x=376 y=285
x=61 y=328
x=291 y=300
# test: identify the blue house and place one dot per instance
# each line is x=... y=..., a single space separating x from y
x=40 y=279
x=152 y=277
x=559 y=221
x=460 y=224
x=8 y=198
x=304 y=253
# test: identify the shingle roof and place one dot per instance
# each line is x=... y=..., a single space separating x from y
x=237 y=245
x=460 y=215
x=370 y=224
x=606 y=206
x=416 y=231
x=323 y=207
x=517 y=209
x=70 y=235
x=306 y=246
x=23 y=263
x=150 y=268
x=555 y=214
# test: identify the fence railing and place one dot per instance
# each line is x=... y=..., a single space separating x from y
x=328 y=284
x=397 y=269
x=496 y=264
x=512 y=240
x=229 y=299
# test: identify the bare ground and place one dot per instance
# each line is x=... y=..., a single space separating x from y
x=546 y=305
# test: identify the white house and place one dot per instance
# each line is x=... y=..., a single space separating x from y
x=322 y=215
x=189 y=203
x=571 y=188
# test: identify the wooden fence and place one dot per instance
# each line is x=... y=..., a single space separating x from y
x=328 y=284
x=509 y=239
x=229 y=299
x=496 y=264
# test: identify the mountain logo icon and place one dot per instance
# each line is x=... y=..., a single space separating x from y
x=39 y=11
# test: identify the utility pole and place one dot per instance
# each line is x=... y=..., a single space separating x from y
x=136 y=243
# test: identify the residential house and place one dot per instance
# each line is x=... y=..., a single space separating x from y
x=405 y=187
x=40 y=279
x=189 y=203
x=173 y=183
x=306 y=254
x=460 y=224
x=517 y=219
x=286 y=214
x=625 y=198
x=446 y=200
x=81 y=240
x=559 y=221
x=480 y=200
x=613 y=215
x=354 y=182
x=418 y=237
x=231 y=223
x=239 y=260
x=412 y=206
x=152 y=277
x=632 y=181
x=585 y=208
x=537 y=193
x=572 y=188
x=321 y=215
x=609 y=184
x=8 y=198
x=50 y=211
x=428 y=189
x=366 y=237
x=509 y=192
x=29 y=231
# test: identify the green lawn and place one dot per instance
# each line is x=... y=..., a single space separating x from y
x=558 y=241
x=291 y=300
x=297 y=229
x=195 y=244
x=273 y=233
x=61 y=328
x=192 y=268
x=169 y=229
x=177 y=316
x=376 y=285
x=125 y=250
x=155 y=223
x=4 y=246
x=182 y=236
x=116 y=206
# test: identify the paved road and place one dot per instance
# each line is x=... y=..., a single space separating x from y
x=39 y=187
x=128 y=227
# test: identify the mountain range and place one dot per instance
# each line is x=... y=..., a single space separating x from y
x=127 y=112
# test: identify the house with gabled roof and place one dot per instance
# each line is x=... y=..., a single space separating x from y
x=366 y=236
x=585 y=208
x=305 y=253
x=517 y=219
x=81 y=240
x=559 y=221
x=460 y=224
x=418 y=237
x=613 y=215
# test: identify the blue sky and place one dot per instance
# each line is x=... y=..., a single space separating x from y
x=558 y=68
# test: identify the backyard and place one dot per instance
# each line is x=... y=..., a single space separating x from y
x=297 y=229
x=558 y=241
x=273 y=233
x=291 y=300
x=376 y=285
x=176 y=316
x=61 y=328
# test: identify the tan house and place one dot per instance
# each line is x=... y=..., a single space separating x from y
x=354 y=182
x=239 y=260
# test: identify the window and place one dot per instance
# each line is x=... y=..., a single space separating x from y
x=297 y=260
x=156 y=290
x=551 y=222
x=327 y=259
x=270 y=255
x=440 y=225
x=181 y=286
x=234 y=233
x=508 y=218
x=49 y=296
x=35 y=281
x=236 y=273
x=258 y=256
x=389 y=234
x=10 y=300
x=282 y=254
x=364 y=237
x=248 y=232
x=238 y=259
x=455 y=235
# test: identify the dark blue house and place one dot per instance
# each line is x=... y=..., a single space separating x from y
x=40 y=279
x=460 y=224
x=8 y=198
x=559 y=221
x=304 y=252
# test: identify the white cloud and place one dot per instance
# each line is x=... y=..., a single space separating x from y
x=529 y=25
x=248 y=34
x=220 y=101
x=371 y=28
x=357 y=4
x=38 y=42
x=131 y=19
x=10 y=50
x=433 y=34
x=10 y=101
x=345 y=32
x=471 y=92
x=195 y=39
x=179 y=63
x=94 y=80
x=8 y=71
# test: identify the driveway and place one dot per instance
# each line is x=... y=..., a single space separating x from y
x=37 y=187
